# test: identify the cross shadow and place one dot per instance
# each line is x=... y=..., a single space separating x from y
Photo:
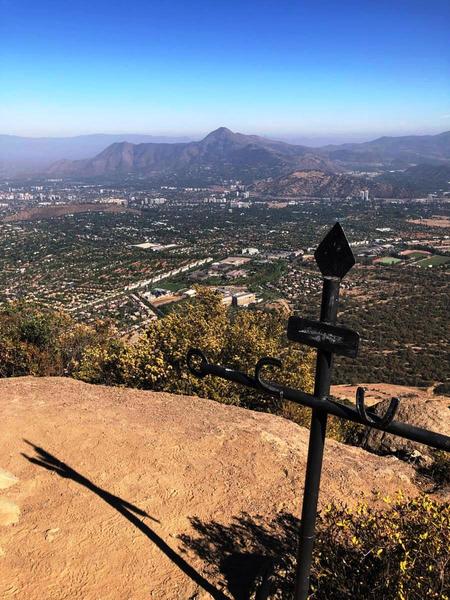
x=126 y=509
x=254 y=555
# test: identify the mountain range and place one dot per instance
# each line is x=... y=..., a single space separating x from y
x=407 y=164
x=21 y=154
x=251 y=157
x=220 y=152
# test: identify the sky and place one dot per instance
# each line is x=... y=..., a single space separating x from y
x=291 y=69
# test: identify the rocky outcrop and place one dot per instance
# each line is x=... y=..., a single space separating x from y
x=431 y=413
x=98 y=485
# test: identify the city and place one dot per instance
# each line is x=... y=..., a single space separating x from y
x=125 y=255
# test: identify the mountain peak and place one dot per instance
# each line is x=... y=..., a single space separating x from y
x=220 y=133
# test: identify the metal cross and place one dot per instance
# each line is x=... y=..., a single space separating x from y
x=334 y=258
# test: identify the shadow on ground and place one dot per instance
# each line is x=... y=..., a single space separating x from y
x=132 y=513
x=254 y=556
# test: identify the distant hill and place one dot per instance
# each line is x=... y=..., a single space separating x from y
x=28 y=153
x=222 y=152
x=397 y=152
x=421 y=179
x=225 y=153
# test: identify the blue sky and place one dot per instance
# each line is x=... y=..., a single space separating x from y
x=281 y=67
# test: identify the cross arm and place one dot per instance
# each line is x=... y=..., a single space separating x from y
x=200 y=367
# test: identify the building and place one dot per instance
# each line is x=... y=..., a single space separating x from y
x=244 y=298
x=227 y=299
x=250 y=251
x=237 y=274
x=234 y=261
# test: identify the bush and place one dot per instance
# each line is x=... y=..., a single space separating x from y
x=396 y=552
x=438 y=471
x=233 y=338
x=400 y=552
x=35 y=341
x=442 y=389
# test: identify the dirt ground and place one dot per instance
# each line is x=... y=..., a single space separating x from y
x=434 y=222
x=376 y=392
x=98 y=484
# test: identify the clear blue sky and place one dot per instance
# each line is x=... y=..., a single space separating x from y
x=279 y=67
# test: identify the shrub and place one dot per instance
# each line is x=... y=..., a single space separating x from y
x=398 y=551
x=232 y=338
x=438 y=471
x=36 y=341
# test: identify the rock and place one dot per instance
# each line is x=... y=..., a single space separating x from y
x=419 y=410
x=110 y=478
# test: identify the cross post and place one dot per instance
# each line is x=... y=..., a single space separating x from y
x=334 y=258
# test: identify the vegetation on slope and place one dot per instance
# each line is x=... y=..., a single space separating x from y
x=396 y=552
x=38 y=342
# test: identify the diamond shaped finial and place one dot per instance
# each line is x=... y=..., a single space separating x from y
x=334 y=255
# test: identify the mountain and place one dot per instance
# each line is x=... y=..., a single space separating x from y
x=395 y=152
x=250 y=157
x=221 y=152
x=25 y=153
x=421 y=178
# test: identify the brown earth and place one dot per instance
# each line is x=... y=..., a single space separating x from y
x=93 y=504
x=46 y=212
x=434 y=222
x=377 y=392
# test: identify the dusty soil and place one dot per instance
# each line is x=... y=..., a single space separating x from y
x=93 y=504
x=377 y=392
x=45 y=212
x=434 y=222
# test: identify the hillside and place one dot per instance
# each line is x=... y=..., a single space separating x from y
x=315 y=183
x=421 y=178
x=396 y=152
x=19 y=154
x=94 y=503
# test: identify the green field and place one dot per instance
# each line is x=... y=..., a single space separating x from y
x=388 y=260
x=414 y=255
x=433 y=261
